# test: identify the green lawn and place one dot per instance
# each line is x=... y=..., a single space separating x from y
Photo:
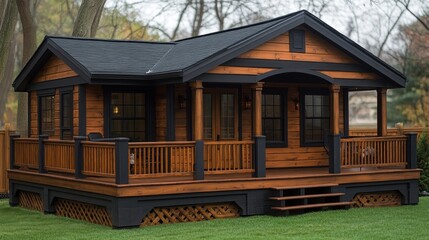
x=405 y=222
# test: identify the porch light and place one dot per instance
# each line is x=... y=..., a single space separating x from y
x=181 y=101
x=247 y=102
x=296 y=103
x=115 y=110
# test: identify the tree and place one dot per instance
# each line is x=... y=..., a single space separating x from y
x=88 y=18
x=8 y=20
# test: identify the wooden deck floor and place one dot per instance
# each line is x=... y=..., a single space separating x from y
x=213 y=183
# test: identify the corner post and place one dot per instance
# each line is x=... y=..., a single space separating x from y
x=335 y=109
x=121 y=156
x=198 y=130
x=259 y=139
x=259 y=156
x=381 y=112
x=411 y=150
x=334 y=153
x=12 y=150
x=78 y=156
x=41 y=156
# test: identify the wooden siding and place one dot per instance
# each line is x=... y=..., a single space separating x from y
x=53 y=69
x=94 y=109
x=34 y=132
x=316 y=50
x=180 y=114
x=160 y=113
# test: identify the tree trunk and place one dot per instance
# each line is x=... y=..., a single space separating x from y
x=26 y=14
x=88 y=18
x=7 y=30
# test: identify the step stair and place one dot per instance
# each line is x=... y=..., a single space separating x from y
x=299 y=199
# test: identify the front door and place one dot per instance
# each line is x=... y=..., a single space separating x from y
x=220 y=126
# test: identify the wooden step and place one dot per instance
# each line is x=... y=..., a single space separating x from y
x=306 y=186
x=308 y=196
x=318 y=205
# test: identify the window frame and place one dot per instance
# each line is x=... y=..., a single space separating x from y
x=64 y=91
x=284 y=116
x=149 y=110
x=40 y=95
x=302 y=94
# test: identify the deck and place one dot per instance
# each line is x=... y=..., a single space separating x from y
x=215 y=182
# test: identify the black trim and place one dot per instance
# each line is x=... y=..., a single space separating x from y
x=240 y=113
x=56 y=83
x=346 y=112
x=171 y=112
x=302 y=93
x=297 y=40
x=82 y=110
x=189 y=107
x=29 y=113
x=264 y=63
x=283 y=92
x=46 y=92
x=66 y=90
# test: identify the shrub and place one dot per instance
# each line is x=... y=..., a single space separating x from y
x=423 y=160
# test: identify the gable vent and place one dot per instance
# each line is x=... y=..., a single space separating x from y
x=297 y=40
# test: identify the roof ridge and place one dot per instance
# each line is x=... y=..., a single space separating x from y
x=241 y=27
x=108 y=40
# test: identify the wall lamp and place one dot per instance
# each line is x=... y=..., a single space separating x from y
x=296 y=103
x=181 y=100
x=247 y=102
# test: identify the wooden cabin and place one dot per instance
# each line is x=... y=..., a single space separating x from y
x=251 y=120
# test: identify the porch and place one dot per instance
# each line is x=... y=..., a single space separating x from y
x=121 y=162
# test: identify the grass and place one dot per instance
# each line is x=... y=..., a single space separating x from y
x=405 y=222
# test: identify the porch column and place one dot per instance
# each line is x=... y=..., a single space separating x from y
x=257 y=109
x=198 y=130
x=335 y=109
x=260 y=141
x=381 y=112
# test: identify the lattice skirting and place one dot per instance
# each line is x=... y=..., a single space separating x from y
x=377 y=199
x=82 y=211
x=30 y=200
x=4 y=195
x=191 y=213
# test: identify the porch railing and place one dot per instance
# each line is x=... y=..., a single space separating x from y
x=59 y=155
x=161 y=158
x=228 y=156
x=373 y=151
x=99 y=158
x=26 y=152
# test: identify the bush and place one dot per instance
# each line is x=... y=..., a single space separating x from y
x=423 y=160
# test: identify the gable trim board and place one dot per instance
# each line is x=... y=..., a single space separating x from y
x=198 y=67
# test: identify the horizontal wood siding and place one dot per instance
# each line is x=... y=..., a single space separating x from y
x=53 y=69
x=76 y=111
x=160 y=113
x=94 y=109
x=180 y=114
x=33 y=114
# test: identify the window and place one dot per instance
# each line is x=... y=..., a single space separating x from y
x=315 y=117
x=67 y=115
x=273 y=118
x=47 y=113
x=297 y=40
x=128 y=115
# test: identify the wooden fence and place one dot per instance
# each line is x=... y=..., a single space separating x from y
x=59 y=156
x=4 y=158
x=99 y=158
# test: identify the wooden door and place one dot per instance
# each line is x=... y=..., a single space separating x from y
x=220 y=125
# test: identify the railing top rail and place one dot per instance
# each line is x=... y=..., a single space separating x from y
x=164 y=143
x=57 y=141
x=26 y=139
x=229 y=142
x=91 y=143
x=373 y=139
